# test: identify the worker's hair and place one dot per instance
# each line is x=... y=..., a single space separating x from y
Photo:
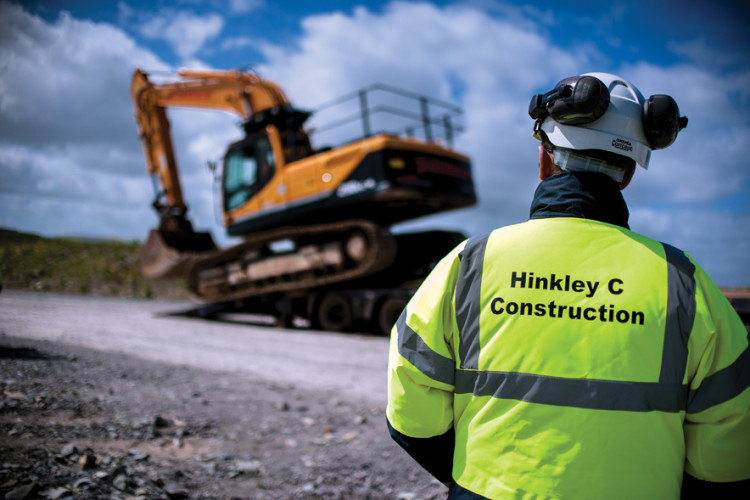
x=548 y=146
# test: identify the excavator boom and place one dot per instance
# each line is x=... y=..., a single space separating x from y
x=172 y=248
x=244 y=94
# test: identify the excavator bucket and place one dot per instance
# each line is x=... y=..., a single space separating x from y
x=169 y=254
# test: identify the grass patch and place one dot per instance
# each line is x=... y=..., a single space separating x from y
x=76 y=266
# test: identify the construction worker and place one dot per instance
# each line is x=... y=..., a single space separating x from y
x=567 y=356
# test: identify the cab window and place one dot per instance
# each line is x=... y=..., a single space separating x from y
x=248 y=166
x=296 y=145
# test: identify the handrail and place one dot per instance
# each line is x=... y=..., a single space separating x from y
x=422 y=120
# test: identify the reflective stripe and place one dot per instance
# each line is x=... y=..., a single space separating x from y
x=468 y=289
x=680 y=315
x=574 y=392
x=668 y=395
x=722 y=385
x=418 y=353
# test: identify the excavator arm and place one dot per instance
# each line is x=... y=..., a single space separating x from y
x=174 y=246
x=244 y=94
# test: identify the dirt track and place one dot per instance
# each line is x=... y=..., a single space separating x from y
x=120 y=398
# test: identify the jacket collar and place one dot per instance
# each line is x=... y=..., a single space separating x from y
x=585 y=195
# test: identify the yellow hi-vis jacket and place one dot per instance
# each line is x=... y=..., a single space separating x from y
x=574 y=359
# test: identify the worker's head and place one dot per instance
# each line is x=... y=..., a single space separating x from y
x=600 y=122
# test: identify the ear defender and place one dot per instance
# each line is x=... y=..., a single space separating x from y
x=662 y=121
x=573 y=101
x=583 y=99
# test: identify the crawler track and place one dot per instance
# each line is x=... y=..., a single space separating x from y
x=319 y=255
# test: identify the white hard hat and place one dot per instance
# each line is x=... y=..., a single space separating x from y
x=605 y=112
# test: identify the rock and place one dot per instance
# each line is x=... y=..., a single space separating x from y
x=160 y=422
x=138 y=455
x=84 y=482
x=87 y=461
x=252 y=467
x=20 y=396
x=209 y=467
x=406 y=495
x=175 y=491
x=56 y=493
x=68 y=450
x=282 y=406
x=24 y=491
x=120 y=482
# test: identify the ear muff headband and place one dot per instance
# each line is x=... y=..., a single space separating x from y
x=583 y=99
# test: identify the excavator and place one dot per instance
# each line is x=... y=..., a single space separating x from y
x=314 y=224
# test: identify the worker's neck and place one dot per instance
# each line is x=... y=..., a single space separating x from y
x=580 y=194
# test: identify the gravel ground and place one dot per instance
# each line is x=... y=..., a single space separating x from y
x=79 y=423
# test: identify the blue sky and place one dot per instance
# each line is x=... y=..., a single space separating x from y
x=71 y=162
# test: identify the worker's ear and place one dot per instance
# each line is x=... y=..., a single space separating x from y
x=627 y=177
x=546 y=163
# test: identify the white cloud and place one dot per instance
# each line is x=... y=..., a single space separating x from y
x=56 y=191
x=125 y=13
x=65 y=81
x=711 y=237
x=70 y=158
x=185 y=31
x=72 y=163
x=245 y=6
x=240 y=42
x=699 y=52
x=705 y=163
x=417 y=46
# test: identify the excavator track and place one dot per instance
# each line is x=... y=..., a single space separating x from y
x=318 y=255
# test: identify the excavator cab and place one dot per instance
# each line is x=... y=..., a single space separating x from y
x=249 y=166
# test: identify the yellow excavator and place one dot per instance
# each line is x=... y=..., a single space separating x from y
x=315 y=224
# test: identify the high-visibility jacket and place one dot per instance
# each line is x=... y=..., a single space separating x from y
x=574 y=358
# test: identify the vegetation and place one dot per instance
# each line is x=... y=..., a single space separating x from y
x=70 y=265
